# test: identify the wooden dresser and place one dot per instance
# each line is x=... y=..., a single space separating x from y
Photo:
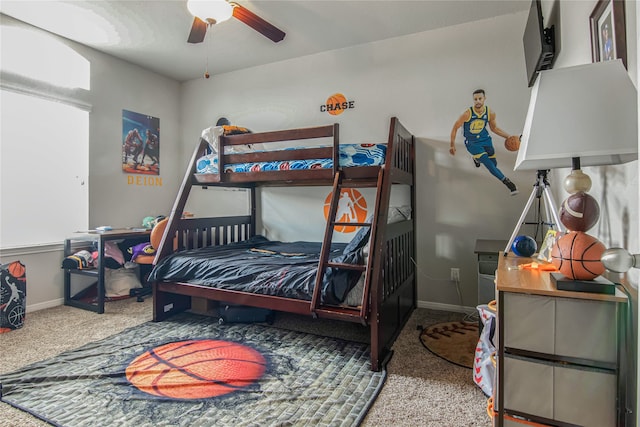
x=560 y=354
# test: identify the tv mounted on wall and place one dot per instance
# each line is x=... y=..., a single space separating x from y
x=539 y=43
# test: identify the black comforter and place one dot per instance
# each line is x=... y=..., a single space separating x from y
x=261 y=266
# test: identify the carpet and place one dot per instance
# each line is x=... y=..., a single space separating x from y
x=453 y=341
x=190 y=371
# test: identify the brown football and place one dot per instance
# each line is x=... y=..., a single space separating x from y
x=579 y=212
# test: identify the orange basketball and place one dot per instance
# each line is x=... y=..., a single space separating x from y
x=333 y=100
x=196 y=369
x=16 y=269
x=512 y=143
x=577 y=256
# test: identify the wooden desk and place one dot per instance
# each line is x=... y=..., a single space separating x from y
x=73 y=244
x=560 y=358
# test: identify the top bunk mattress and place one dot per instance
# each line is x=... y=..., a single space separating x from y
x=350 y=155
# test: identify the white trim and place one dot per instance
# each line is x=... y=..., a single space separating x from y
x=26 y=86
x=446 y=307
x=31 y=249
x=46 y=304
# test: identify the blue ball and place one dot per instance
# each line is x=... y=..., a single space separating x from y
x=524 y=246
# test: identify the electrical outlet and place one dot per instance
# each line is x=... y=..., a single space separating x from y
x=455 y=274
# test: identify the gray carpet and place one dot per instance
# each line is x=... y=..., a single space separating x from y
x=421 y=389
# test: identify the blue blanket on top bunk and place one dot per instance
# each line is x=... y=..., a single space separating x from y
x=350 y=155
x=261 y=266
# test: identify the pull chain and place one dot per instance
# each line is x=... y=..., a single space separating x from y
x=208 y=49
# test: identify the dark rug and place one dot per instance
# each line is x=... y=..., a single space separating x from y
x=191 y=371
x=453 y=341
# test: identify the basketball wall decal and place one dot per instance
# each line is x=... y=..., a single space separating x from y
x=196 y=369
x=579 y=212
x=577 y=256
x=337 y=99
x=352 y=207
x=512 y=143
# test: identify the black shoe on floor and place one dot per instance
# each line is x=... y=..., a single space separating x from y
x=511 y=186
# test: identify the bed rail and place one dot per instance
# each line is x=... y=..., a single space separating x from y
x=268 y=155
x=401 y=162
x=193 y=233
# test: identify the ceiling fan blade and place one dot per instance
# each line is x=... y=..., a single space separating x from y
x=254 y=21
x=198 y=31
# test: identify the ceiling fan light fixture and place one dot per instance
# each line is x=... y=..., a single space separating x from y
x=211 y=11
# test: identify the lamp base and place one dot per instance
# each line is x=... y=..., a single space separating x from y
x=599 y=285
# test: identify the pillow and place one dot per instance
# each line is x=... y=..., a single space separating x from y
x=211 y=135
x=398 y=214
x=360 y=239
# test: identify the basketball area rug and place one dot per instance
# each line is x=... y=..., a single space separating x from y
x=190 y=371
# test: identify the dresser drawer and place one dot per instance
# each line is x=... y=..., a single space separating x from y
x=566 y=393
x=529 y=322
x=528 y=387
x=582 y=329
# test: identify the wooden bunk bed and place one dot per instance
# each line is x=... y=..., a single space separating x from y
x=389 y=295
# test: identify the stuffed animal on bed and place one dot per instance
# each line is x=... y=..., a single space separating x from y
x=141 y=249
x=229 y=129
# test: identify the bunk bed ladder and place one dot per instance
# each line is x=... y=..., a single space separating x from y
x=328 y=237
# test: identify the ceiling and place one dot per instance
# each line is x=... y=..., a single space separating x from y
x=153 y=33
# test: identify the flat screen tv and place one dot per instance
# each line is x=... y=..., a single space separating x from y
x=539 y=43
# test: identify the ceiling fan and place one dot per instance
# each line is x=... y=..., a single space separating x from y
x=209 y=12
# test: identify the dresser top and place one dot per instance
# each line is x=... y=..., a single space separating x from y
x=510 y=277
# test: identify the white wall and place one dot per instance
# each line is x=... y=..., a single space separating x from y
x=615 y=187
x=115 y=85
x=425 y=79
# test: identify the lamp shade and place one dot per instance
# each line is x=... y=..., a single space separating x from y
x=587 y=111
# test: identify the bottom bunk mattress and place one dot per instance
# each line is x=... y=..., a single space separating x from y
x=262 y=266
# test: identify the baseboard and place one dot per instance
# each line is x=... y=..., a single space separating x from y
x=43 y=305
x=421 y=304
x=446 y=307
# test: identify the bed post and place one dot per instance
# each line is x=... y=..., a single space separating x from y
x=252 y=211
x=336 y=148
x=166 y=244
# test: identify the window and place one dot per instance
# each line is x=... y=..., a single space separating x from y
x=52 y=61
x=44 y=142
x=44 y=168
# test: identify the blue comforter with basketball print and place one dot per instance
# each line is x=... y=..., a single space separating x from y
x=262 y=266
x=350 y=155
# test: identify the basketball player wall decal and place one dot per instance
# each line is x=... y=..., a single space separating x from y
x=477 y=140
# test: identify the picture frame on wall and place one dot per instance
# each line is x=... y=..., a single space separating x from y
x=140 y=143
x=608 y=32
